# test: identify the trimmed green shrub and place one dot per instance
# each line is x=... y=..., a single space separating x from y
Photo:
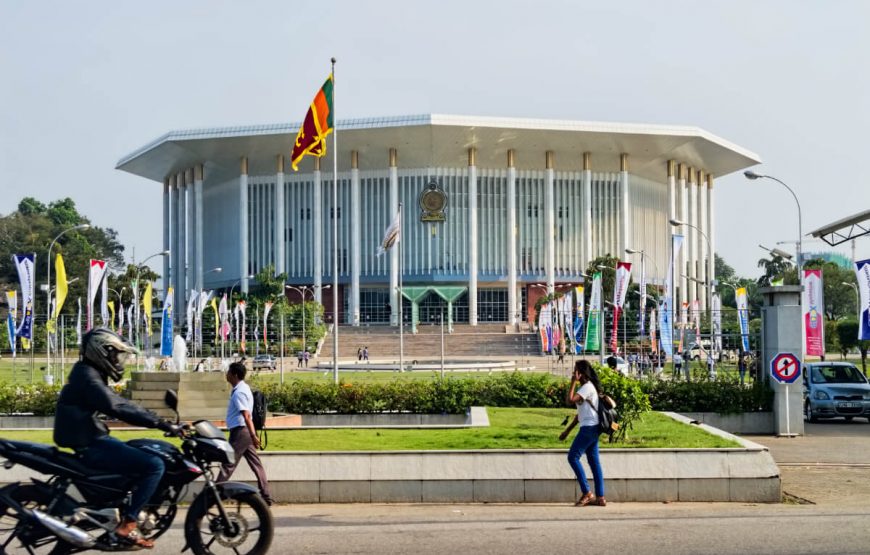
x=723 y=396
x=38 y=399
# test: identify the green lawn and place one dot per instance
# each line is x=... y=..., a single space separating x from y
x=509 y=429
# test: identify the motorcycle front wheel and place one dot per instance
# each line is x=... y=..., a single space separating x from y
x=248 y=532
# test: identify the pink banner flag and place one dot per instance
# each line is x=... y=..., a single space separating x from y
x=623 y=275
x=813 y=306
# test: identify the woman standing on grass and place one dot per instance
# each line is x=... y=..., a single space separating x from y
x=583 y=392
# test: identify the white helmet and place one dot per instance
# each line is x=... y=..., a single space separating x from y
x=106 y=351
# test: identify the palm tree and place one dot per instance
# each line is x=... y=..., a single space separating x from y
x=774 y=267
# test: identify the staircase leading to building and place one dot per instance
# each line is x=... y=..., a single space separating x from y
x=465 y=341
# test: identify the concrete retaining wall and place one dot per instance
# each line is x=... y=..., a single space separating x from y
x=742 y=474
x=758 y=423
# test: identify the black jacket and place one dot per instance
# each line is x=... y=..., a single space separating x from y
x=87 y=394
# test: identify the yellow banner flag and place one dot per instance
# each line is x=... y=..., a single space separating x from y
x=146 y=308
x=111 y=305
x=214 y=307
x=62 y=286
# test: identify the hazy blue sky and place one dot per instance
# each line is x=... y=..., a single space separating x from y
x=84 y=83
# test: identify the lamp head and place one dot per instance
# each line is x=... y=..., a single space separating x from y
x=82 y=226
x=633 y=251
x=676 y=223
x=749 y=174
x=167 y=252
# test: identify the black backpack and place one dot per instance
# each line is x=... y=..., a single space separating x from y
x=259 y=416
x=608 y=418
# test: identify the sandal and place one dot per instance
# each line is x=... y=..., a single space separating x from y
x=134 y=537
x=588 y=498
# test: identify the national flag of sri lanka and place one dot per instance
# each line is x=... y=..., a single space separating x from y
x=311 y=139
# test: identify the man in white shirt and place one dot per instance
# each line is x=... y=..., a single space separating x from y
x=243 y=436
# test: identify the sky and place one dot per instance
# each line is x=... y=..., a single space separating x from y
x=85 y=83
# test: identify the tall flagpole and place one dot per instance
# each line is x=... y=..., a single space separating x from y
x=401 y=315
x=334 y=232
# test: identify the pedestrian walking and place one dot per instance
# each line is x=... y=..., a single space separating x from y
x=365 y=353
x=243 y=436
x=305 y=356
x=359 y=354
x=299 y=356
x=583 y=392
x=678 y=365
x=741 y=368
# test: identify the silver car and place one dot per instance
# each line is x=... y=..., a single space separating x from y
x=834 y=389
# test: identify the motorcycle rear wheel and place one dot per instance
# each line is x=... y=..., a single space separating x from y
x=13 y=532
x=250 y=531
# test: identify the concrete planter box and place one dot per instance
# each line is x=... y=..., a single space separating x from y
x=741 y=474
x=752 y=423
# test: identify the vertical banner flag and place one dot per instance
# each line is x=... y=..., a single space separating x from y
x=225 y=313
x=311 y=138
x=593 y=326
x=12 y=301
x=743 y=316
x=146 y=308
x=623 y=274
x=641 y=314
x=109 y=322
x=165 y=323
x=266 y=310
x=62 y=286
x=130 y=318
x=202 y=302
x=191 y=320
x=717 y=323
x=544 y=323
x=242 y=310
x=813 y=304
x=579 y=300
x=257 y=329
x=214 y=307
x=24 y=263
x=120 y=318
x=236 y=317
x=684 y=323
x=696 y=316
x=862 y=272
x=79 y=323
x=104 y=302
x=654 y=344
x=95 y=278
x=393 y=233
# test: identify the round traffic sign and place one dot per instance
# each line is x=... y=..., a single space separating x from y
x=785 y=368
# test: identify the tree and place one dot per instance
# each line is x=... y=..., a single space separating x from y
x=847 y=333
x=776 y=267
x=832 y=338
x=839 y=299
x=608 y=277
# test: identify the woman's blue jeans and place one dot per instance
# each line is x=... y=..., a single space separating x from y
x=586 y=441
x=112 y=455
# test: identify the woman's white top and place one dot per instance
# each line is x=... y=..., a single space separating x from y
x=587 y=409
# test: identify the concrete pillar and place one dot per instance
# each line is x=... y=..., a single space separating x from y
x=672 y=190
x=625 y=215
x=280 y=218
x=692 y=235
x=702 y=241
x=356 y=232
x=244 y=269
x=683 y=264
x=513 y=309
x=190 y=235
x=178 y=249
x=550 y=223
x=197 y=209
x=395 y=316
x=587 y=208
x=711 y=229
x=472 y=236
x=317 y=236
x=781 y=333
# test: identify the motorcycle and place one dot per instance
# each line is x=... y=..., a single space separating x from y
x=77 y=509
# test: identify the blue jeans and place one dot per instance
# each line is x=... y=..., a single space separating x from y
x=586 y=441
x=113 y=455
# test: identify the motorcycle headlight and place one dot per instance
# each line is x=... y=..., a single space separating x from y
x=821 y=395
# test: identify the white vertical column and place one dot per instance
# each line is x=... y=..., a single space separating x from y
x=243 y=224
x=550 y=222
x=280 y=224
x=702 y=242
x=167 y=260
x=672 y=191
x=625 y=215
x=684 y=217
x=711 y=229
x=472 y=236
x=394 y=252
x=356 y=233
x=587 y=208
x=512 y=238
x=189 y=234
x=692 y=235
x=197 y=209
x=179 y=248
x=317 y=236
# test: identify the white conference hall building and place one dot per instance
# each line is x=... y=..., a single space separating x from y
x=496 y=211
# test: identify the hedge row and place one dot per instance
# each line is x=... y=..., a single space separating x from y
x=723 y=396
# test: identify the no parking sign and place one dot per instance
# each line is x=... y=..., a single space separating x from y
x=785 y=368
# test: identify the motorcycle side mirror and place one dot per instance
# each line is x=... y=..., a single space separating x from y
x=171 y=400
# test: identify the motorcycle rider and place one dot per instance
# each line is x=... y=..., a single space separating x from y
x=77 y=426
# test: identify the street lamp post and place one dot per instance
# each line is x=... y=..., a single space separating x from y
x=749 y=174
x=136 y=300
x=677 y=223
x=48 y=289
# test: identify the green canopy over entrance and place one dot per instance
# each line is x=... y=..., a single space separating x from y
x=449 y=293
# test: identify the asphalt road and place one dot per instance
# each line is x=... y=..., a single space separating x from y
x=827 y=511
